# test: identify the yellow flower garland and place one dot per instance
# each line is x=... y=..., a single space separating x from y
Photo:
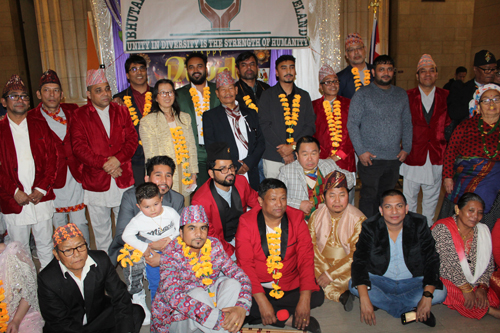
x=125 y=258
x=127 y=100
x=357 y=78
x=196 y=101
x=334 y=123
x=274 y=263
x=367 y=77
x=181 y=153
x=292 y=117
x=250 y=104
x=202 y=267
x=4 y=313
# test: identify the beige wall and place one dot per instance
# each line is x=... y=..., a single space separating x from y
x=441 y=29
x=486 y=29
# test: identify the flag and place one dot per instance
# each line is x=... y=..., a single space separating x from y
x=375 y=42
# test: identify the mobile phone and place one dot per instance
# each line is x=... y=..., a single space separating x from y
x=408 y=317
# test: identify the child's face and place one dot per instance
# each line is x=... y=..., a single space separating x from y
x=151 y=207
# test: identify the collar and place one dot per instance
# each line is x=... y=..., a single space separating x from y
x=294 y=91
x=24 y=122
x=431 y=94
x=193 y=86
x=106 y=109
x=88 y=263
x=479 y=85
x=228 y=108
x=137 y=92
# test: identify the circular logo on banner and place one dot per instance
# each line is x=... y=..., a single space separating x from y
x=220 y=4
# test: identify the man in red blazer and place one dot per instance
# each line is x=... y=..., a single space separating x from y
x=423 y=166
x=284 y=293
x=225 y=196
x=103 y=140
x=28 y=167
x=68 y=189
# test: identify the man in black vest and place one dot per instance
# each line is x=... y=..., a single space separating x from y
x=225 y=196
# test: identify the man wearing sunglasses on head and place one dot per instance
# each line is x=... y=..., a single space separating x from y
x=28 y=165
x=225 y=196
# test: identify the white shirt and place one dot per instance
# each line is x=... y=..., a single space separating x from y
x=199 y=119
x=79 y=281
x=427 y=100
x=242 y=151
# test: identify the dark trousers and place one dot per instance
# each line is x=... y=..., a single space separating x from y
x=139 y=171
x=105 y=322
x=289 y=302
x=377 y=178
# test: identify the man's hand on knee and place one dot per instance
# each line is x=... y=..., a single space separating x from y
x=424 y=308
x=367 y=314
x=234 y=318
x=303 y=310
x=266 y=309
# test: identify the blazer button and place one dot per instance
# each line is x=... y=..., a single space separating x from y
x=110 y=145
x=66 y=158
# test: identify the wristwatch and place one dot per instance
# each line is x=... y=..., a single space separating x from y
x=428 y=294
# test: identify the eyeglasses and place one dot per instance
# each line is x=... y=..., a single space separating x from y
x=16 y=97
x=488 y=70
x=497 y=73
x=359 y=48
x=495 y=100
x=136 y=69
x=225 y=170
x=166 y=93
x=70 y=252
x=329 y=83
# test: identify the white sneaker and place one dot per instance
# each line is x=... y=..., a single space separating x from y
x=140 y=299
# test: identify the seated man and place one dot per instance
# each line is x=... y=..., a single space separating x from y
x=334 y=229
x=80 y=291
x=225 y=196
x=201 y=288
x=305 y=177
x=282 y=268
x=395 y=276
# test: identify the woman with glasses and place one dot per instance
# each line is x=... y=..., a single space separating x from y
x=167 y=131
x=471 y=158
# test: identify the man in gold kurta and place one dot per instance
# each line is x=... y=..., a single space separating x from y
x=335 y=228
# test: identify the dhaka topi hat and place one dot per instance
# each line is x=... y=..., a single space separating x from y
x=65 y=232
x=15 y=83
x=353 y=39
x=218 y=151
x=484 y=57
x=49 y=76
x=426 y=61
x=96 y=76
x=224 y=78
x=193 y=214
x=335 y=179
x=325 y=71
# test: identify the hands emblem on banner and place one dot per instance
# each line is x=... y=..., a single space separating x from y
x=208 y=7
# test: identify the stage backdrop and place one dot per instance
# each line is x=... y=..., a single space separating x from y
x=173 y=25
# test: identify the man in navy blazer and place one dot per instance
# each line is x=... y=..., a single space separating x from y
x=236 y=125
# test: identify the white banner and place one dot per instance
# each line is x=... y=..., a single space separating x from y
x=178 y=25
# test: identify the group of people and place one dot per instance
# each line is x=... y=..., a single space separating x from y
x=243 y=205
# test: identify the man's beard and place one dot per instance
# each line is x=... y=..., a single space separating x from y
x=251 y=76
x=225 y=182
x=380 y=82
x=201 y=80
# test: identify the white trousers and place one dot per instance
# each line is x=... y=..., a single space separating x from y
x=78 y=218
x=226 y=293
x=430 y=197
x=42 y=232
x=271 y=168
x=100 y=219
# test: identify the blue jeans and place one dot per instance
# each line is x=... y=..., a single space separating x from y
x=153 y=275
x=397 y=296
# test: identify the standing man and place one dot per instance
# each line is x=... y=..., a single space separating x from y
x=225 y=196
x=249 y=88
x=68 y=189
x=286 y=114
x=379 y=121
x=28 y=168
x=238 y=126
x=195 y=98
x=357 y=74
x=424 y=165
x=104 y=140
x=460 y=74
x=137 y=99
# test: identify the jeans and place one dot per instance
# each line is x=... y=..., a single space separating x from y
x=397 y=296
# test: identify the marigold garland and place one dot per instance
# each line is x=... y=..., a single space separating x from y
x=334 y=123
x=181 y=153
x=55 y=116
x=367 y=77
x=274 y=263
x=125 y=258
x=250 y=104
x=202 y=267
x=292 y=117
x=4 y=313
x=196 y=101
x=127 y=100
x=357 y=78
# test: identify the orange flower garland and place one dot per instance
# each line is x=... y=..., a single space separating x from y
x=55 y=116
x=126 y=258
x=4 y=313
x=292 y=117
x=334 y=123
x=127 y=100
x=274 y=263
x=196 y=101
x=250 y=104
x=357 y=78
x=202 y=267
x=367 y=77
x=181 y=153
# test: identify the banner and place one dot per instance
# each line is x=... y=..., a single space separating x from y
x=175 y=25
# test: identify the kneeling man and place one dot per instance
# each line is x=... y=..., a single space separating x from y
x=193 y=295
x=282 y=268
x=396 y=266
x=80 y=291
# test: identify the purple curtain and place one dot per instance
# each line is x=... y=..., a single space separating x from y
x=275 y=54
x=120 y=56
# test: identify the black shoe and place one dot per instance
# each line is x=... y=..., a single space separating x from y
x=313 y=326
x=431 y=321
x=252 y=321
x=347 y=300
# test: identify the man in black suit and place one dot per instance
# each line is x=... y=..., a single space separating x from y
x=395 y=266
x=237 y=126
x=249 y=88
x=80 y=291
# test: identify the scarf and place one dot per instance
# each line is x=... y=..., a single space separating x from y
x=235 y=116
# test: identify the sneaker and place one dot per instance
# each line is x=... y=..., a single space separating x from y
x=140 y=299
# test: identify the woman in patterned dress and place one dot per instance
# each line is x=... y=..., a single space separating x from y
x=465 y=250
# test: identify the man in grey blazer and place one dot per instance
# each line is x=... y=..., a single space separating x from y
x=305 y=177
x=159 y=170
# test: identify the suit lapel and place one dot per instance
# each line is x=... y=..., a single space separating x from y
x=261 y=223
x=250 y=134
x=302 y=177
x=88 y=288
